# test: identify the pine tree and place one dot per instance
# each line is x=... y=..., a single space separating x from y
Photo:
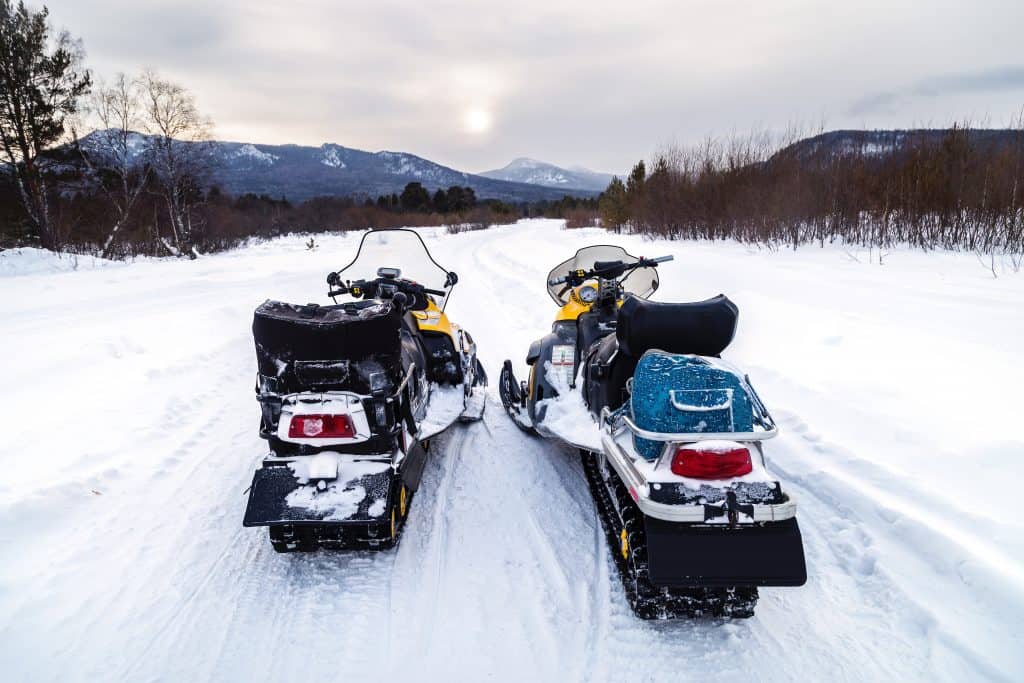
x=41 y=85
x=456 y=199
x=415 y=198
x=441 y=201
x=461 y=199
x=636 y=180
x=614 y=206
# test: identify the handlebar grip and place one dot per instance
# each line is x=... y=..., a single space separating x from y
x=436 y=292
x=662 y=259
x=556 y=281
x=338 y=292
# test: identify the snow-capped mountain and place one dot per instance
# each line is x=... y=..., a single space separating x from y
x=533 y=172
x=300 y=173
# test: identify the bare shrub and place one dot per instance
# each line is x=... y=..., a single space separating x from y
x=959 y=188
x=581 y=218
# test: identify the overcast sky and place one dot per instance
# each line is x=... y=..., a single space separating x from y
x=474 y=84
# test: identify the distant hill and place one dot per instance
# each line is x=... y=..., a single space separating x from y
x=300 y=173
x=881 y=143
x=533 y=172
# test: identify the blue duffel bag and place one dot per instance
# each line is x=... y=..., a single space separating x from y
x=684 y=394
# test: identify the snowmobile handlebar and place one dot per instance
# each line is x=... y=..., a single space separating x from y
x=608 y=270
x=368 y=289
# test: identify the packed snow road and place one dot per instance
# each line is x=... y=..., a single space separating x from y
x=130 y=436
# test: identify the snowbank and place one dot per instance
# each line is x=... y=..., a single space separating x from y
x=33 y=261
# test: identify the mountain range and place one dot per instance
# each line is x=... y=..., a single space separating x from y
x=299 y=173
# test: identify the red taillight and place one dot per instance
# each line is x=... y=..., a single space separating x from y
x=321 y=427
x=697 y=463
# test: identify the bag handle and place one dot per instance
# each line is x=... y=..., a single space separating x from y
x=688 y=408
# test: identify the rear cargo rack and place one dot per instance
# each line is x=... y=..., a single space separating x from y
x=618 y=420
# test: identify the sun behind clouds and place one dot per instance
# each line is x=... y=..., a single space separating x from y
x=477 y=120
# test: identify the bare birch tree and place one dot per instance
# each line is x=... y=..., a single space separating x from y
x=180 y=154
x=115 y=152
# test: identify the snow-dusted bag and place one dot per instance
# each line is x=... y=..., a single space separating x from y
x=301 y=348
x=676 y=394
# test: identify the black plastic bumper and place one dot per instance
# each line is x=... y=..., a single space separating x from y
x=690 y=555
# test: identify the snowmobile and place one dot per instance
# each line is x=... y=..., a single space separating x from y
x=670 y=437
x=351 y=393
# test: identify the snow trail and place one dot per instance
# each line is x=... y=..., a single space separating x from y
x=131 y=437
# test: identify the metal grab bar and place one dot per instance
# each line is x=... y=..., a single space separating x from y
x=699 y=436
x=627 y=423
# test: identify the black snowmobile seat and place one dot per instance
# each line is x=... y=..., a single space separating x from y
x=703 y=328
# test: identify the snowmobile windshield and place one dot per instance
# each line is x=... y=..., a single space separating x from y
x=640 y=282
x=401 y=248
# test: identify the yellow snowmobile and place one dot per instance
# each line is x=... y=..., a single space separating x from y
x=351 y=392
x=670 y=435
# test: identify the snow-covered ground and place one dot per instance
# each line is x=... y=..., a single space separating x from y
x=129 y=425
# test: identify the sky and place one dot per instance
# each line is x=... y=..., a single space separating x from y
x=473 y=85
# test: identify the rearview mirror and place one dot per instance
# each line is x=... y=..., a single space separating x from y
x=452 y=279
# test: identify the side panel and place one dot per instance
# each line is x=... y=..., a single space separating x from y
x=412 y=468
x=433 y=319
x=562 y=335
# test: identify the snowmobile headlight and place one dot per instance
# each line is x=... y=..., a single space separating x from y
x=379 y=383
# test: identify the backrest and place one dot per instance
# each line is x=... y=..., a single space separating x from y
x=703 y=328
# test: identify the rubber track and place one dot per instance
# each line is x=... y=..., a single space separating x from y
x=647 y=600
x=307 y=539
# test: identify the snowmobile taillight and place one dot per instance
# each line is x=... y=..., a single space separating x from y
x=321 y=427
x=698 y=463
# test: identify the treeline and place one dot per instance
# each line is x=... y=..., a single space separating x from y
x=960 y=188
x=578 y=212
x=220 y=221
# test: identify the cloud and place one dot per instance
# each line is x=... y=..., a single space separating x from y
x=1009 y=78
x=599 y=84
